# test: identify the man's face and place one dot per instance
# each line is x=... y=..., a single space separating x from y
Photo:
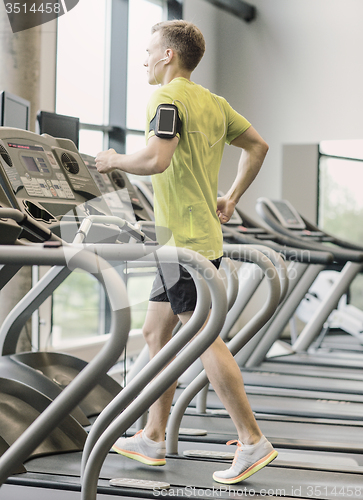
x=154 y=63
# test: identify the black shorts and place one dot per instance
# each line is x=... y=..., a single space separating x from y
x=174 y=284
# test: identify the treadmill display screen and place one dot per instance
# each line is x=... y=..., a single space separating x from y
x=30 y=164
x=286 y=212
x=25 y=146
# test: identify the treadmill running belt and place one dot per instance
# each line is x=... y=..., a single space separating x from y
x=190 y=477
x=304 y=435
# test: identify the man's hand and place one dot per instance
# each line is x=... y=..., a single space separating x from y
x=103 y=161
x=225 y=209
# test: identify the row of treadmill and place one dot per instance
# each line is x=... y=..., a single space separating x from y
x=59 y=415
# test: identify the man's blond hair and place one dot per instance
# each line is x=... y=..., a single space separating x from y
x=184 y=38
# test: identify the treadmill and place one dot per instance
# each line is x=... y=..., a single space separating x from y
x=181 y=474
x=180 y=471
x=310 y=236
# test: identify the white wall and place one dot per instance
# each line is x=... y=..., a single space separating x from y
x=296 y=74
x=205 y=16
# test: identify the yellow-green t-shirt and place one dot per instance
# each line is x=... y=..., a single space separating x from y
x=185 y=194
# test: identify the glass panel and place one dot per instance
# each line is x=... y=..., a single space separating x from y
x=138 y=90
x=138 y=289
x=341 y=207
x=340 y=198
x=81 y=62
x=90 y=142
x=76 y=304
x=134 y=142
x=356 y=292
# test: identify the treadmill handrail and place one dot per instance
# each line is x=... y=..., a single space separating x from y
x=274 y=257
x=303 y=276
x=249 y=330
x=108 y=219
x=282 y=271
x=282 y=244
x=171 y=373
x=232 y=281
x=88 y=378
x=337 y=241
x=33 y=226
x=11 y=328
x=155 y=365
x=12 y=325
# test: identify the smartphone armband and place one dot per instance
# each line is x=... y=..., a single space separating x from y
x=166 y=123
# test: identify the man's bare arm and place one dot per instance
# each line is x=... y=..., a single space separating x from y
x=153 y=159
x=253 y=154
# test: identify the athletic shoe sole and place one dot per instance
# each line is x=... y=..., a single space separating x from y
x=248 y=472
x=139 y=457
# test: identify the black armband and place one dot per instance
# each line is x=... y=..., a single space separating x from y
x=166 y=122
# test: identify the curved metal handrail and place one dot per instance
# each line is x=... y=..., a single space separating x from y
x=232 y=281
x=280 y=266
x=154 y=366
x=164 y=379
x=250 y=329
x=244 y=293
x=88 y=378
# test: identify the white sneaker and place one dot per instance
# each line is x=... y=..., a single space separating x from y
x=140 y=447
x=248 y=459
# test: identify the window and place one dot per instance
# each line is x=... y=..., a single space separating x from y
x=76 y=312
x=138 y=90
x=82 y=60
x=340 y=197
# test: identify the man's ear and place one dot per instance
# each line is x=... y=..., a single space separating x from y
x=170 y=54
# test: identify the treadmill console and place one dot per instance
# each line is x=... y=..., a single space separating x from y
x=285 y=213
x=46 y=177
x=118 y=192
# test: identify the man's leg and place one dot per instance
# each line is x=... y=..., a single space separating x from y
x=253 y=450
x=226 y=379
x=148 y=446
x=158 y=328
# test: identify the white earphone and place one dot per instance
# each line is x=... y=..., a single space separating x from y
x=157 y=62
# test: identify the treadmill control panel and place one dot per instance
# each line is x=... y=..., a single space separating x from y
x=46 y=178
x=285 y=213
x=41 y=175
